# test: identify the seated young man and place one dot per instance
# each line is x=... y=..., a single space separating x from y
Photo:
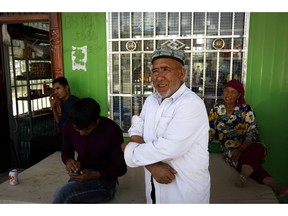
x=100 y=160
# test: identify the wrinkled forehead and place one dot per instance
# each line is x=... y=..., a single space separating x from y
x=165 y=62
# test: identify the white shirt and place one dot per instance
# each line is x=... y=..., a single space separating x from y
x=175 y=132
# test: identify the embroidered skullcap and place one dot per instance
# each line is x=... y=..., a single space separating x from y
x=167 y=52
x=238 y=86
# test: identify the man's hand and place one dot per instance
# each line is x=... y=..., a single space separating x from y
x=53 y=100
x=134 y=138
x=86 y=174
x=137 y=139
x=162 y=173
x=123 y=145
x=72 y=166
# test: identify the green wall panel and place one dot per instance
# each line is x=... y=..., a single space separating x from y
x=267 y=86
x=80 y=30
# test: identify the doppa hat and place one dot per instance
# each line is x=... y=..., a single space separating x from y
x=167 y=52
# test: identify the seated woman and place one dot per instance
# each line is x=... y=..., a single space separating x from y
x=233 y=123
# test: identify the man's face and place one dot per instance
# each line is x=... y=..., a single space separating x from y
x=61 y=92
x=167 y=76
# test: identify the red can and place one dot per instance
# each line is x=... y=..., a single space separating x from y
x=13 y=177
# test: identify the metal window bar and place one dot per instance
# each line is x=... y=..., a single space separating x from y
x=232 y=47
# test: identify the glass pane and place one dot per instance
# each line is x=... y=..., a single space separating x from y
x=236 y=67
x=121 y=111
x=186 y=24
x=199 y=23
x=173 y=25
x=114 y=25
x=161 y=23
x=125 y=25
x=115 y=109
x=212 y=23
x=238 y=43
x=227 y=44
x=226 y=23
x=137 y=70
x=126 y=113
x=148 y=24
x=123 y=46
x=148 y=45
x=224 y=67
x=211 y=69
x=187 y=44
x=141 y=76
x=198 y=44
x=115 y=87
x=239 y=23
x=136 y=105
x=136 y=24
x=125 y=74
x=115 y=46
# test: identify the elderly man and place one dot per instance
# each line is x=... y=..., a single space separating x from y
x=170 y=137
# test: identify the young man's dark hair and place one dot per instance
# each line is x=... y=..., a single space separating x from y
x=62 y=80
x=84 y=112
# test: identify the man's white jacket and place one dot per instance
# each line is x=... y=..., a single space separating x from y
x=175 y=132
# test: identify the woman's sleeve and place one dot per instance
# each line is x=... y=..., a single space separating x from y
x=252 y=130
x=212 y=120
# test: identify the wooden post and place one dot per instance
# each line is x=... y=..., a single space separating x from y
x=56 y=45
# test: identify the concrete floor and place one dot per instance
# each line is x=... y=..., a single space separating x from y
x=40 y=180
x=134 y=175
x=38 y=183
x=131 y=188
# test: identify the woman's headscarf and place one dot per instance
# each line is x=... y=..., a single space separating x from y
x=238 y=86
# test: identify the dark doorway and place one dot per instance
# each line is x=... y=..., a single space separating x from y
x=8 y=152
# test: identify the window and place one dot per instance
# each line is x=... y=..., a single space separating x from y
x=215 y=45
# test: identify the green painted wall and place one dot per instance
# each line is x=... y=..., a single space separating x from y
x=86 y=29
x=267 y=86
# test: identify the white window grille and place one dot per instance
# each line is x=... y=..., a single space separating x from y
x=215 y=45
